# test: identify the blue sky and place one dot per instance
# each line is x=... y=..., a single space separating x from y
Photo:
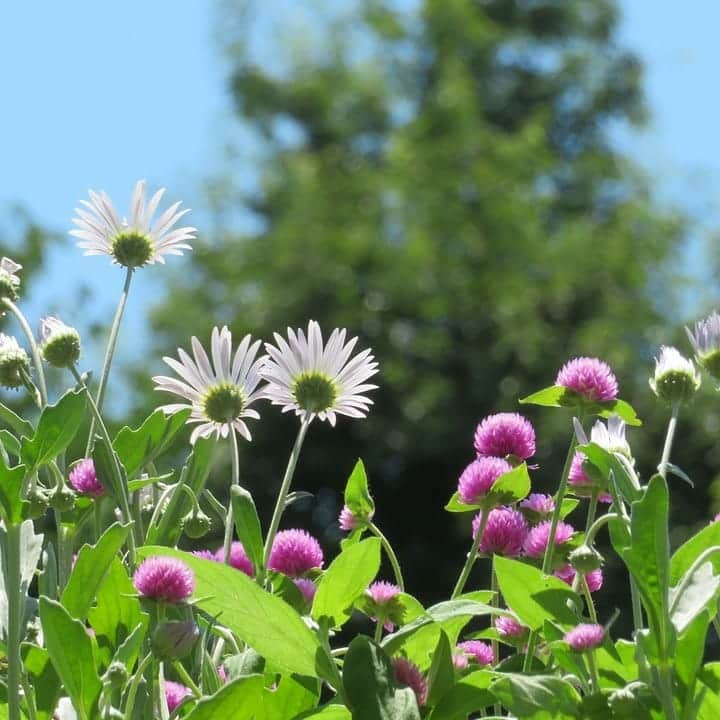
x=102 y=94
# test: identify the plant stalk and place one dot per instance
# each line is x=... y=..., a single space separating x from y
x=375 y=530
x=472 y=556
x=227 y=545
x=669 y=437
x=34 y=350
x=15 y=614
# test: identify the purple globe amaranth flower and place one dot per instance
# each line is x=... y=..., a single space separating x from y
x=504 y=533
x=204 y=555
x=164 y=578
x=349 y=521
x=585 y=636
x=307 y=589
x=509 y=627
x=384 y=597
x=537 y=539
x=84 y=479
x=590 y=378
x=175 y=693
x=477 y=650
x=578 y=477
x=460 y=660
x=594 y=578
x=238 y=558
x=479 y=476
x=407 y=673
x=222 y=674
x=537 y=507
x=295 y=552
x=505 y=434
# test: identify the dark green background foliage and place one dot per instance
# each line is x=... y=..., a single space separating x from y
x=441 y=180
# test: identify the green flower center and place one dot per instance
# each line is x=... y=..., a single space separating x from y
x=131 y=249
x=315 y=391
x=711 y=362
x=224 y=403
x=676 y=386
x=62 y=350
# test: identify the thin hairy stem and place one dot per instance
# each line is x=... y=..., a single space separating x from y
x=34 y=350
x=227 y=545
x=375 y=530
x=472 y=556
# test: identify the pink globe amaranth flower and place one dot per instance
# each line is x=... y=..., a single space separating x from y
x=537 y=539
x=479 y=476
x=222 y=674
x=84 y=480
x=204 y=555
x=383 y=592
x=477 y=650
x=349 y=521
x=539 y=503
x=175 y=693
x=590 y=378
x=505 y=434
x=384 y=596
x=460 y=660
x=594 y=578
x=164 y=578
x=238 y=558
x=577 y=477
x=307 y=589
x=585 y=636
x=409 y=674
x=504 y=533
x=294 y=552
x=509 y=627
x=716 y=518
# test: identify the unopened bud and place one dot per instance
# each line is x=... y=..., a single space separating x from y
x=62 y=499
x=59 y=342
x=676 y=380
x=175 y=639
x=196 y=524
x=116 y=675
x=585 y=559
x=14 y=363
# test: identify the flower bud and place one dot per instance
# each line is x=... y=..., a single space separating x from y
x=60 y=343
x=116 y=675
x=62 y=499
x=196 y=523
x=585 y=559
x=39 y=500
x=676 y=380
x=705 y=339
x=9 y=281
x=14 y=363
x=627 y=702
x=173 y=640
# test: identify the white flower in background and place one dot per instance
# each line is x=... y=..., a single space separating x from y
x=676 y=380
x=60 y=343
x=706 y=341
x=316 y=380
x=220 y=394
x=135 y=242
x=14 y=363
x=9 y=281
x=611 y=437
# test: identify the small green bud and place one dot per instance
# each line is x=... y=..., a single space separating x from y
x=39 y=501
x=196 y=523
x=62 y=499
x=14 y=363
x=9 y=281
x=585 y=559
x=676 y=380
x=173 y=640
x=116 y=675
x=59 y=342
x=625 y=703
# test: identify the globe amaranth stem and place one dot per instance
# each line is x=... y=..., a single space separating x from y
x=34 y=350
x=284 y=489
x=472 y=556
x=375 y=530
x=109 y=352
x=227 y=545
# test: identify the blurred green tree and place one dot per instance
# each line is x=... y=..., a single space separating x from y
x=441 y=178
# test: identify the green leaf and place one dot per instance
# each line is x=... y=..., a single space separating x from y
x=357 y=494
x=469 y=694
x=56 y=428
x=441 y=675
x=694 y=593
x=112 y=476
x=691 y=550
x=140 y=483
x=648 y=557
x=45 y=680
x=117 y=612
x=10 y=443
x=239 y=700
x=70 y=650
x=11 y=502
x=265 y=622
x=91 y=566
x=140 y=446
x=194 y=475
x=20 y=426
x=623 y=409
x=606 y=462
x=537 y=697
x=509 y=488
x=552 y=396
x=247 y=525
x=533 y=596
x=327 y=712
x=370 y=687
x=348 y=576
x=688 y=653
x=292 y=696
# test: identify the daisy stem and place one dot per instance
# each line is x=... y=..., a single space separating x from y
x=548 y=558
x=11 y=569
x=472 y=556
x=669 y=437
x=375 y=530
x=109 y=352
x=34 y=351
x=284 y=489
x=122 y=490
x=227 y=545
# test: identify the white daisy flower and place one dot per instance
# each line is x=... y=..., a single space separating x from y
x=220 y=394
x=676 y=380
x=135 y=242
x=313 y=380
